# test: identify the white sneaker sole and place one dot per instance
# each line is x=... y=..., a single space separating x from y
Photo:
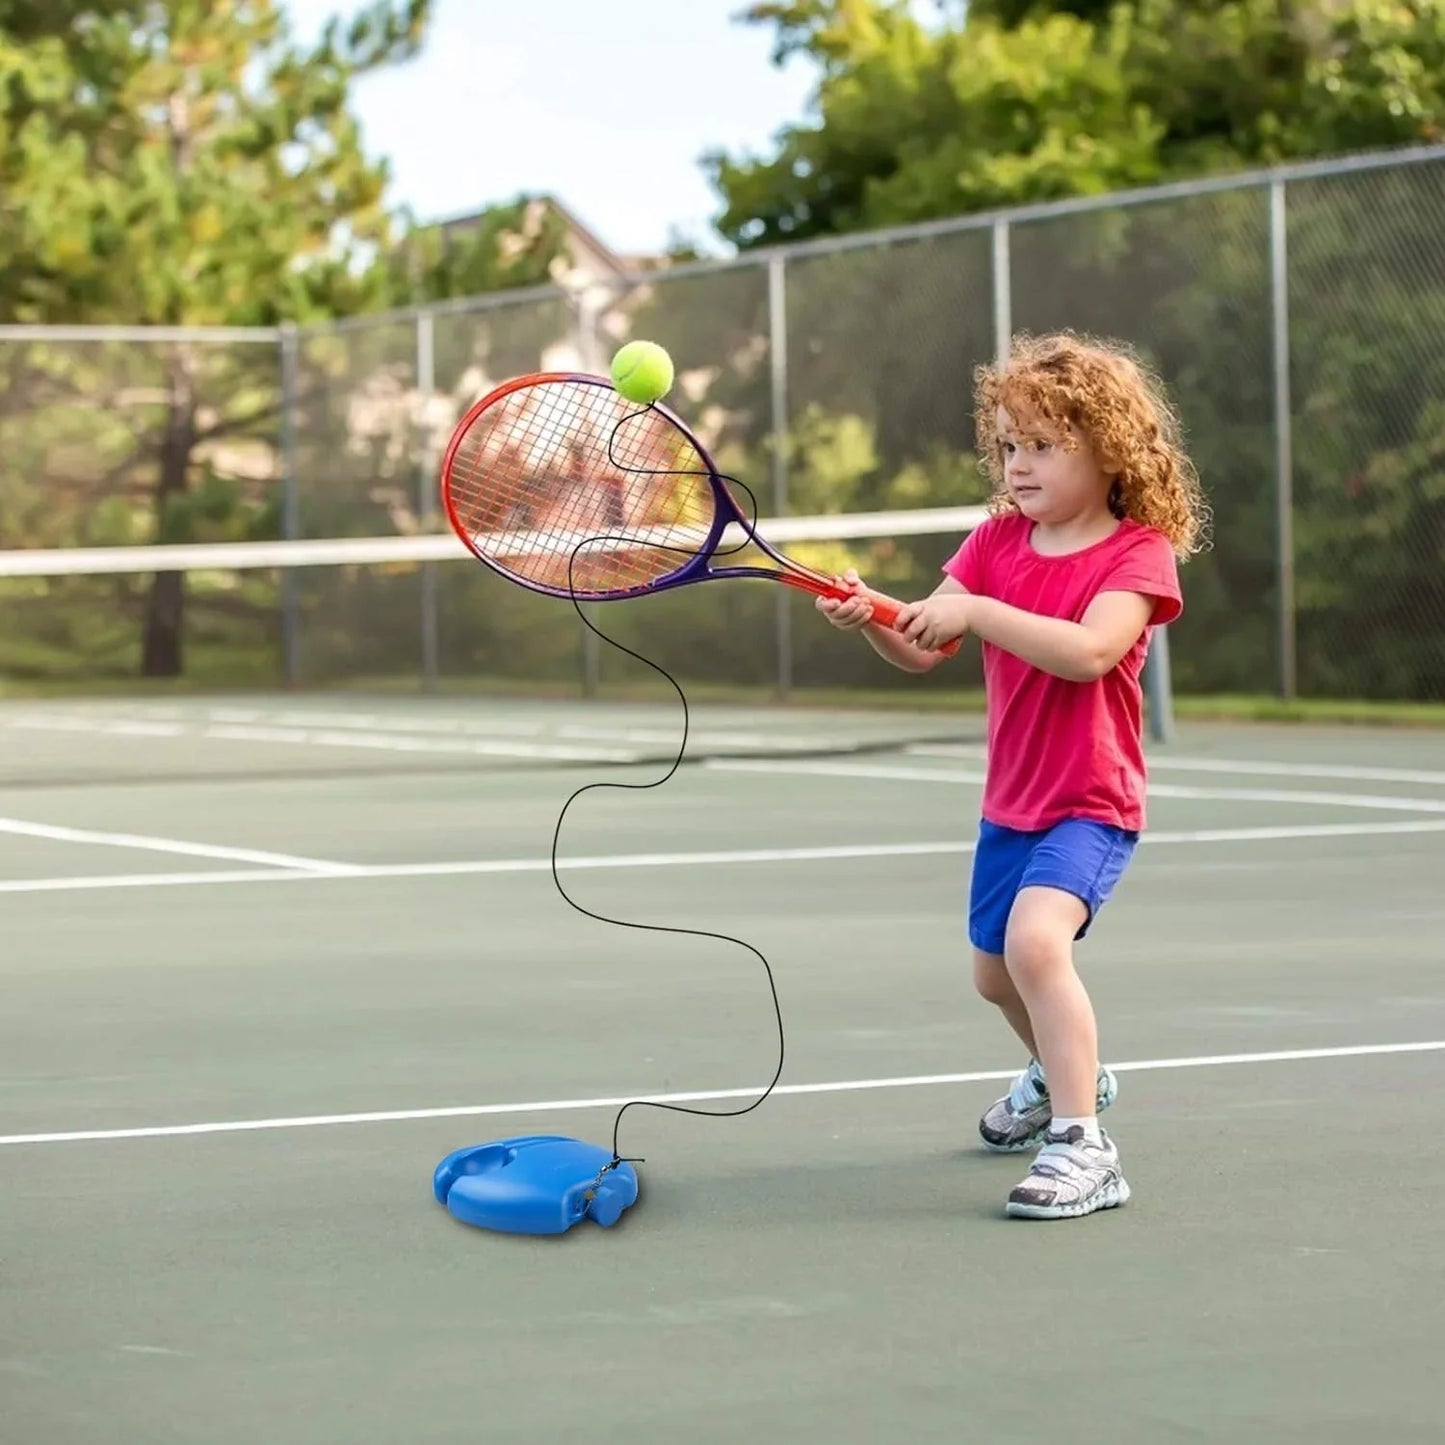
x=1110 y=1197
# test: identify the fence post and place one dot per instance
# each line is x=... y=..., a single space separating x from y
x=1002 y=293
x=778 y=358
x=1157 y=683
x=1283 y=440
x=1159 y=688
x=290 y=507
x=426 y=495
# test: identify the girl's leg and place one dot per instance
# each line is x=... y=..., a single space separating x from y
x=1070 y=875
x=1077 y=1171
x=991 y=979
x=1039 y=958
x=1017 y=1120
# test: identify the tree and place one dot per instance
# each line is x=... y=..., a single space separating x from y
x=184 y=163
x=1018 y=102
x=1013 y=101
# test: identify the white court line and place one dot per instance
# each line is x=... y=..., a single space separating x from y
x=1291 y=795
x=841 y=852
x=65 y=723
x=104 y=881
x=122 y=724
x=468 y=727
x=168 y=845
x=899 y=772
x=671 y=737
x=400 y=743
x=374 y=722
x=1340 y=771
x=432 y=735
x=557 y=1106
x=329 y=737
x=137 y=728
x=1156 y=790
x=1168 y=762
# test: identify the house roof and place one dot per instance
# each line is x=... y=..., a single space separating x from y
x=599 y=253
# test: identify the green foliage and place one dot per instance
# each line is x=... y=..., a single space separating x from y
x=186 y=162
x=1002 y=102
x=181 y=162
x=189 y=163
x=1019 y=102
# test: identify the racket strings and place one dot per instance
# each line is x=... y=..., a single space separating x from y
x=676 y=763
x=528 y=488
x=789 y=564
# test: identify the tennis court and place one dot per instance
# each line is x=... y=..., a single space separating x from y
x=267 y=960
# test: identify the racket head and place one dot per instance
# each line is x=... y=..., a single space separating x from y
x=543 y=466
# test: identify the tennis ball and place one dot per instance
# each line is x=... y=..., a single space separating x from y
x=642 y=372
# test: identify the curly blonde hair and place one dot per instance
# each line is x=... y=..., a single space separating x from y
x=1120 y=406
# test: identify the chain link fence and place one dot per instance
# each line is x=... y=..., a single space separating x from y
x=110 y=438
x=1296 y=317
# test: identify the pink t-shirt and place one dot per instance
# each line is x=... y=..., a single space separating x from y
x=1059 y=749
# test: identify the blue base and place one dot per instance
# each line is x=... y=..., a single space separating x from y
x=534 y=1184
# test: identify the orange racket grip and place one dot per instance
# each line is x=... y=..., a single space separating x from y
x=885 y=608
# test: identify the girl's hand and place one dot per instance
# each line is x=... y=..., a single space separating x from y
x=849 y=615
x=934 y=622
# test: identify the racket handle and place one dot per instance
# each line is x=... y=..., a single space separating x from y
x=886 y=610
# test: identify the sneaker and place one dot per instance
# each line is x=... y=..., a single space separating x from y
x=1070 y=1177
x=1018 y=1120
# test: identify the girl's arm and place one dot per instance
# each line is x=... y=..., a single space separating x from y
x=1076 y=651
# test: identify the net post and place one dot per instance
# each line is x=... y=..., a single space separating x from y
x=778 y=361
x=1159 y=688
x=425 y=494
x=288 y=342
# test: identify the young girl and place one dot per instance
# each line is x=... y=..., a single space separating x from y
x=1093 y=502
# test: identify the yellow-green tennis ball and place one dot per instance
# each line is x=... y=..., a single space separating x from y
x=642 y=372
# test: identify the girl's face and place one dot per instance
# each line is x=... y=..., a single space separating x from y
x=1052 y=476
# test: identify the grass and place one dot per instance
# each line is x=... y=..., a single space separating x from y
x=1348 y=711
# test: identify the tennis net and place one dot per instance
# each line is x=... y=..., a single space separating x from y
x=398 y=614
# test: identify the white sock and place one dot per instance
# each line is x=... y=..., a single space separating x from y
x=1058 y=1127
x=1042 y=1073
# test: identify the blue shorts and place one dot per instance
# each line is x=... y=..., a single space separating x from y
x=1079 y=856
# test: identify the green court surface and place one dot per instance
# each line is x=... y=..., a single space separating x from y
x=267 y=961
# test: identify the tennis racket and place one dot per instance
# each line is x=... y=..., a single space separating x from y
x=560 y=484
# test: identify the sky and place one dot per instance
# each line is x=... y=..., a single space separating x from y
x=608 y=107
